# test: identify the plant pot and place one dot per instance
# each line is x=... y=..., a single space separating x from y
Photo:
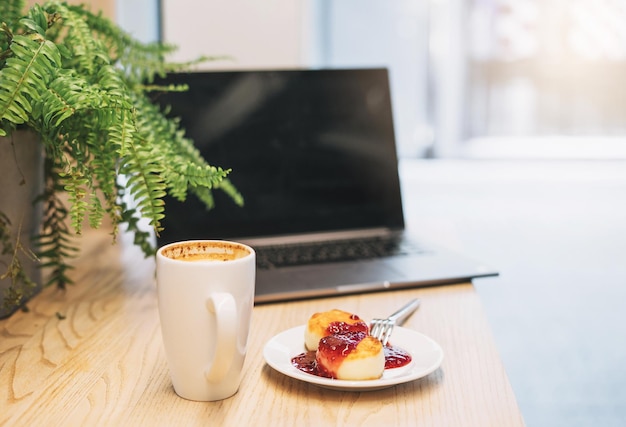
x=21 y=181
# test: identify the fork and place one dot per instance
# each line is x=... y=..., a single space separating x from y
x=382 y=328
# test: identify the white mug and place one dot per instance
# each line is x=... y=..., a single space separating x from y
x=205 y=294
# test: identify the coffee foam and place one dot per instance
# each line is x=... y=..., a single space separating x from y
x=205 y=251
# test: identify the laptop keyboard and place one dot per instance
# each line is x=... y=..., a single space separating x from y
x=332 y=251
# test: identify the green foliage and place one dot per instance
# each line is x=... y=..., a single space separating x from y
x=55 y=241
x=81 y=83
x=21 y=285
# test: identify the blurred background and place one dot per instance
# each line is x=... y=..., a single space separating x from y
x=470 y=78
x=510 y=121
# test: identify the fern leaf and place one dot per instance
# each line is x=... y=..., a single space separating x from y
x=96 y=211
x=75 y=184
x=12 y=12
x=145 y=184
x=26 y=74
x=54 y=242
x=88 y=53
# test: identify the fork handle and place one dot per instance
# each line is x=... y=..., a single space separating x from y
x=401 y=315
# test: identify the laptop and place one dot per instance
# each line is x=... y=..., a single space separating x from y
x=313 y=153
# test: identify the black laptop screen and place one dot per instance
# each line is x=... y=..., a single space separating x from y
x=310 y=150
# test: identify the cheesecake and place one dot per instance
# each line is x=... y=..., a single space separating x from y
x=331 y=322
x=350 y=356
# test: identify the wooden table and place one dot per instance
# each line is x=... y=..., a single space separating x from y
x=93 y=355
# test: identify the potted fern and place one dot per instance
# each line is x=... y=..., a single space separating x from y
x=81 y=84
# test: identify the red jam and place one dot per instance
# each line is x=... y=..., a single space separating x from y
x=333 y=349
x=306 y=363
x=395 y=357
x=343 y=327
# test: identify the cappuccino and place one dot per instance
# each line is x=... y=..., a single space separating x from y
x=214 y=250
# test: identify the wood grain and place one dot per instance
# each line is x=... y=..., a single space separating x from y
x=92 y=355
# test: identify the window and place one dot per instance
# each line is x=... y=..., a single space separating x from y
x=543 y=69
x=491 y=77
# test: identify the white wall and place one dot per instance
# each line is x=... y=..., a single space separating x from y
x=255 y=34
x=139 y=17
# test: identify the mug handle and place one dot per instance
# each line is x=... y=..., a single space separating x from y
x=222 y=304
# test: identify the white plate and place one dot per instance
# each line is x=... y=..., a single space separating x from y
x=427 y=356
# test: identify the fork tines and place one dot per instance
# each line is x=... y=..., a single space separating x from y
x=382 y=329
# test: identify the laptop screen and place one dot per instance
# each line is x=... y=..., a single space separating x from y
x=310 y=151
